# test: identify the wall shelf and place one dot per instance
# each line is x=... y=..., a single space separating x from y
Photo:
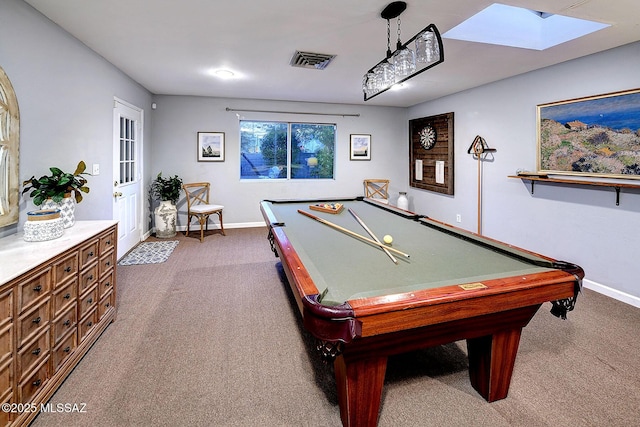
x=533 y=178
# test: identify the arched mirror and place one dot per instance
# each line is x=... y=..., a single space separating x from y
x=9 y=151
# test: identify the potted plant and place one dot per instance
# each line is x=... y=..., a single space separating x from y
x=167 y=191
x=60 y=190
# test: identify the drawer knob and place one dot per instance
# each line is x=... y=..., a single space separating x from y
x=37 y=320
x=89 y=324
x=67 y=322
x=67 y=296
x=91 y=253
x=108 y=263
x=37 y=288
x=106 y=285
x=37 y=383
x=90 y=300
x=68 y=269
x=67 y=349
x=91 y=277
x=36 y=351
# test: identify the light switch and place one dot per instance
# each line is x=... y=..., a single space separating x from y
x=96 y=169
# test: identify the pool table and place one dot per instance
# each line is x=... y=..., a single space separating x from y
x=445 y=285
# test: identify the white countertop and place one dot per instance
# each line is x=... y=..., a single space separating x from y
x=18 y=257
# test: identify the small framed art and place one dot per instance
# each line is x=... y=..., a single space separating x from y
x=211 y=146
x=360 y=147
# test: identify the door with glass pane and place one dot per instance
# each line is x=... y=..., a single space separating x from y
x=127 y=172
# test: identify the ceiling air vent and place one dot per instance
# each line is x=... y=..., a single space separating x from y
x=317 y=61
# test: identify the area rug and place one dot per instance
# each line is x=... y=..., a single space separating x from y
x=149 y=253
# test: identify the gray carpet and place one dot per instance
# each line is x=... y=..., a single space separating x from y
x=212 y=338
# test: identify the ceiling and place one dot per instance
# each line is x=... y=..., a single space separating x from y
x=169 y=47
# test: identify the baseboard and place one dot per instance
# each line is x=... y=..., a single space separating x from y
x=613 y=293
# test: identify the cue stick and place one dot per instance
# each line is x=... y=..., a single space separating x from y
x=373 y=236
x=349 y=232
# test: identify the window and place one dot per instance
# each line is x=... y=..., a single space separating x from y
x=278 y=150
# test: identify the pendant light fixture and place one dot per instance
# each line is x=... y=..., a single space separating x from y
x=404 y=63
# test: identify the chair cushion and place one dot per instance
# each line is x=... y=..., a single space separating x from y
x=206 y=208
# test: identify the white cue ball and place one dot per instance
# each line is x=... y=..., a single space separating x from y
x=387 y=239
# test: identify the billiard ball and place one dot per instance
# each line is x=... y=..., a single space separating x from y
x=387 y=239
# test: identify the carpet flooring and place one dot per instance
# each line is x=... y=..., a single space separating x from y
x=212 y=337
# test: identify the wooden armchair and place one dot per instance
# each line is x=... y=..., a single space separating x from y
x=198 y=205
x=377 y=189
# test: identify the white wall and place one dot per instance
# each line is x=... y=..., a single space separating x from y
x=65 y=93
x=574 y=223
x=177 y=120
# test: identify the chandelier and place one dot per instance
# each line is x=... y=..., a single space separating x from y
x=404 y=63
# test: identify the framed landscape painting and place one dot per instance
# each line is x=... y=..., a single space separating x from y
x=360 y=147
x=593 y=136
x=211 y=146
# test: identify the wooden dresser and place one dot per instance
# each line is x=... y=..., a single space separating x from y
x=56 y=298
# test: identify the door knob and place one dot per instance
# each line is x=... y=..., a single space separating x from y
x=117 y=194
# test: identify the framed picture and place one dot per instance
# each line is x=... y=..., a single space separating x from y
x=211 y=146
x=360 y=147
x=593 y=136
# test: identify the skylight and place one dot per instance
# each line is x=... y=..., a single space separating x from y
x=523 y=28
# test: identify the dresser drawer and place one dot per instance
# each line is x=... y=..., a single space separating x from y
x=63 y=297
x=87 y=324
x=106 y=304
x=88 y=279
x=106 y=284
x=33 y=322
x=107 y=262
x=33 y=353
x=5 y=378
x=6 y=307
x=34 y=289
x=107 y=242
x=30 y=386
x=65 y=268
x=88 y=301
x=6 y=343
x=89 y=254
x=62 y=325
x=63 y=351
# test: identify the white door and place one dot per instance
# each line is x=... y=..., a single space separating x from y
x=127 y=174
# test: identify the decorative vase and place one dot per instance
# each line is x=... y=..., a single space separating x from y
x=403 y=202
x=43 y=225
x=166 y=216
x=67 y=209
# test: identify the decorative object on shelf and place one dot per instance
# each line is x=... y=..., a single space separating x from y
x=403 y=202
x=60 y=190
x=591 y=136
x=167 y=191
x=43 y=225
x=211 y=146
x=431 y=153
x=360 y=148
x=404 y=63
x=480 y=150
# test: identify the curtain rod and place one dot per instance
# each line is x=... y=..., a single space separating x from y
x=295 y=112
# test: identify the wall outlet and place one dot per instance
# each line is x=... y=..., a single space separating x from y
x=96 y=169
x=458 y=218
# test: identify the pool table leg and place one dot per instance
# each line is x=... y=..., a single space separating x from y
x=360 y=383
x=491 y=361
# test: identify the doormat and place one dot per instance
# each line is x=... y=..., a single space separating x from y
x=149 y=253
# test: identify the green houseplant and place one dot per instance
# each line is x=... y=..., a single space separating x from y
x=58 y=185
x=167 y=190
x=55 y=191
